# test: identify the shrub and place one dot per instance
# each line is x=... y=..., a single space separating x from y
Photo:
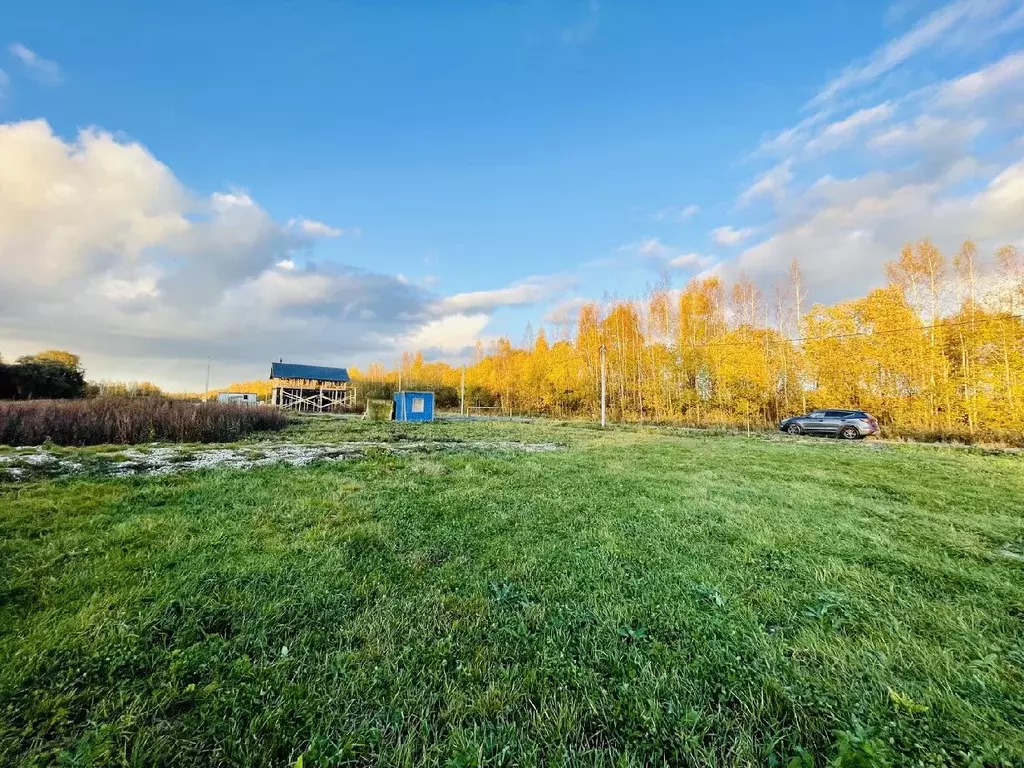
x=378 y=410
x=33 y=377
x=120 y=420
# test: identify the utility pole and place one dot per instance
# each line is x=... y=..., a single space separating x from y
x=206 y=393
x=462 y=396
x=604 y=381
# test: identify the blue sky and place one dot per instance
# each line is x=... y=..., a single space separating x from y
x=350 y=180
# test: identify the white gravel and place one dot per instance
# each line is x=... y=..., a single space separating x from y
x=166 y=460
x=36 y=459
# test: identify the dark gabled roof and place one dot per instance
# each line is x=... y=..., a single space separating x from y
x=307 y=372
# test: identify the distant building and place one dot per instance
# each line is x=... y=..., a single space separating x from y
x=240 y=398
x=414 y=406
x=310 y=388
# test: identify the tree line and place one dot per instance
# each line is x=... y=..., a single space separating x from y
x=939 y=348
x=53 y=374
x=56 y=374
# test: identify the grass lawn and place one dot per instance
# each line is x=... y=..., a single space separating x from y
x=639 y=598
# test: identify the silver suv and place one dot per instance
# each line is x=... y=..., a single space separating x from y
x=849 y=425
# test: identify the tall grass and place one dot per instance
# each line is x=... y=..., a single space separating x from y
x=119 y=420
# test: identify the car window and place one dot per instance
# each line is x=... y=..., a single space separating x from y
x=836 y=414
x=816 y=415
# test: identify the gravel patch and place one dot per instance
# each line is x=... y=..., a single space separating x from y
x=35 y=462
x=167 y=460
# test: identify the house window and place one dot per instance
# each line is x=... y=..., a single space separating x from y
x=418 y=404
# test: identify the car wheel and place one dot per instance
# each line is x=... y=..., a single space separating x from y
x=849 y=433
x=794 y=429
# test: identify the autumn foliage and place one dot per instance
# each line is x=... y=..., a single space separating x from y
x=937 y=351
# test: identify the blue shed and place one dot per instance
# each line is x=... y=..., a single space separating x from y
x=414 y=406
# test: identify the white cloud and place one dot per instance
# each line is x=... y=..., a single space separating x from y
x=731 y=235
x=972 y=19
x=772 y=184
x=651 y=246
x=966 y=90
x=963 y=25
x=104 y=252
x=691 y=261
x=144 y=287
x=45 y=71
x=785 y=142
x=662 y=256
x=313 y=228
x=676 y=214
x=845 y=230
x=447 y=335
x=224 y=201
x=530 y=291
x=935 y=160
x=80 y=207
x=564 y=314
x=926 y=132
x=841 y=132
x=273 y=290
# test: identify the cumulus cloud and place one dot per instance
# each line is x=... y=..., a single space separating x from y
x=43 y=70
x=74 y=210
x=731 y=235
x=455 y=334
x=105 y=252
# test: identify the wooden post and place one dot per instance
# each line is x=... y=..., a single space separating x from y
x=604 y=381
x=462 y=396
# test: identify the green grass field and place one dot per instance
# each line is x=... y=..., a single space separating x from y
x=638 y=598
